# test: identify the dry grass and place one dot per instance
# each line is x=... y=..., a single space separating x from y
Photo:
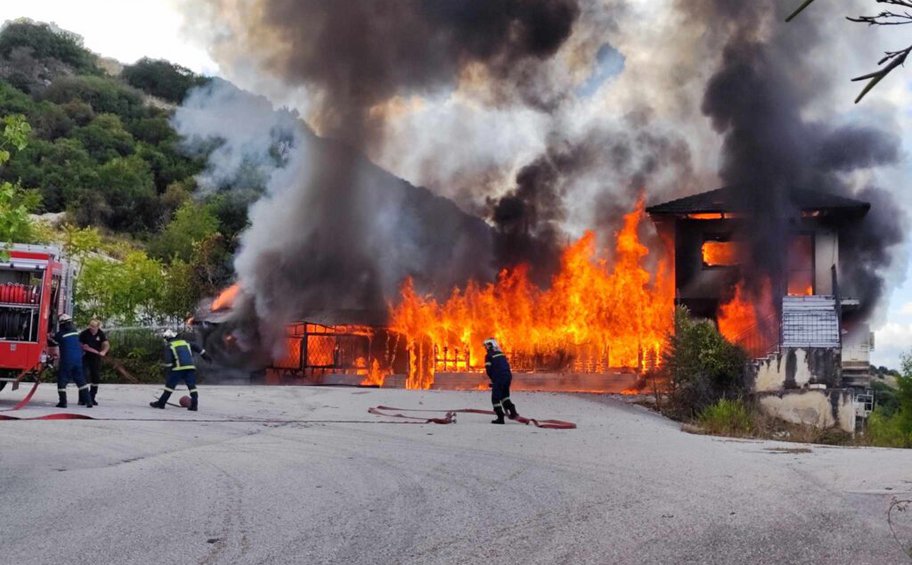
x=762 y=426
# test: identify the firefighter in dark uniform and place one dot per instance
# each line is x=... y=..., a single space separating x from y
x=70 y=363
x=94 y=346
x=179 y=362
x=498 y=369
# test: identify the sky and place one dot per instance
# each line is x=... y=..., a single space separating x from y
x=120 y=30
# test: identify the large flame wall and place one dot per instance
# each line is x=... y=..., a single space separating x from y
x=619 y=310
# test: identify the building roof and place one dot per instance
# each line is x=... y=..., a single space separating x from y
x=726 y=199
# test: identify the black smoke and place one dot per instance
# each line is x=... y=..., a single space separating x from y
x=756 y=99
x=607 y=167
x=334 y=236
x=354 y=55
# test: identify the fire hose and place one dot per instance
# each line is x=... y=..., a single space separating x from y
x=31 y=393
x=57 y=416
x=450 y=417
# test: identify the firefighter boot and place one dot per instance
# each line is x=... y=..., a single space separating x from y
x=160 y=403
x=84 y=399
x=194 y=401
x=511 y=409
x=94 y=391
x=63 y=400
x=500 y=415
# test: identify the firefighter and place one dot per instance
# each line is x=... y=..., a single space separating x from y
x=95 y=345
x=70 y=362
x=498 y=369
x=179 y=361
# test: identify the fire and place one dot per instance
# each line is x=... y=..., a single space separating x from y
x=593 y=317
x=375 y=376
x=226 y=299
x=720 y=253
x=749 y=321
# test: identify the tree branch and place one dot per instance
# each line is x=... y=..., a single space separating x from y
x=884 y=19
x=804 y=5
x=896 y=58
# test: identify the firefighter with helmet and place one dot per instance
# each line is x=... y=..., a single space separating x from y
x=179 y=362
x=70 y=361
x=498 y=369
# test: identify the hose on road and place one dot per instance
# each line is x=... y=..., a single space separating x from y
x=450 y=417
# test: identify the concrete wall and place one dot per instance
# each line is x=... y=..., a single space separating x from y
x=796 y=368
x=826 y=254
x=820 y=408
x=803 y=386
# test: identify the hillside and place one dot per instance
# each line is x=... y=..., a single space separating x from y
x=103 y=154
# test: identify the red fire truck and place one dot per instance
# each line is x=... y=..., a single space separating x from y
x=36 y=286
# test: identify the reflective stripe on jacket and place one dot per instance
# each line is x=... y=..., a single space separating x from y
x=181 y=355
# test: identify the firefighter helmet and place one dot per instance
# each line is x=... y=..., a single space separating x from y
x=169 y=333
x=491 y=344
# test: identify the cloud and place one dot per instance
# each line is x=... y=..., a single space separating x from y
x=890 y=342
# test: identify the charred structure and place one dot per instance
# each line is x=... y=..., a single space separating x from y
x=797 y=321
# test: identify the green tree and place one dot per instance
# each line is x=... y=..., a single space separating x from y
x=126 y=292
x=80 y=243
x=105 y=138
x=103 y=94
x=127 y=189
x=162 y=79
x=46 y=42
x=14 y=101
x=192 y=223
x=15 y=204
x=182 y=290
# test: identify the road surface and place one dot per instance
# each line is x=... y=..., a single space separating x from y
x=306 y=475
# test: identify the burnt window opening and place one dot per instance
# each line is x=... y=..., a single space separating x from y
x=801 y=265
x=720 y=251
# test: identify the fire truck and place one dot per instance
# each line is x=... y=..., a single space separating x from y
x=36 y=286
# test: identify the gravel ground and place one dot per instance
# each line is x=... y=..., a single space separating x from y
x=306 y=475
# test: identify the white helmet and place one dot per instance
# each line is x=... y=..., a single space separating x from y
x=65 y=318
x=491 y=344
x=169 y=333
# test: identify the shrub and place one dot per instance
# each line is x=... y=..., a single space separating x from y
x=138 y=351
x=890 y=424
x=701 y=366
x=727 y=417
x=885 y=430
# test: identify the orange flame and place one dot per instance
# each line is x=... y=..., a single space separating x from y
x=375 y=376
x=748 y=321
x=720 y=253
x=593 y=317
x=226 y=299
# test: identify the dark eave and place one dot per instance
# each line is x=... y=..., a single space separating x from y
x=727 y=200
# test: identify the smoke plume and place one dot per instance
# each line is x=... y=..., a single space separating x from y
x=756 y=100
x=544 y=117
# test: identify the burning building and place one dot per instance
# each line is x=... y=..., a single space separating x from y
x=803 y=331
x=426 y=90
x=602 y=321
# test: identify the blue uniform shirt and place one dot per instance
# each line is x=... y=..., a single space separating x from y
x=179 y=354
x=497 y=367
x=67 y=339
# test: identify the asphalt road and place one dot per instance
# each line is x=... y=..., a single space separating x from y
x=323 y=481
